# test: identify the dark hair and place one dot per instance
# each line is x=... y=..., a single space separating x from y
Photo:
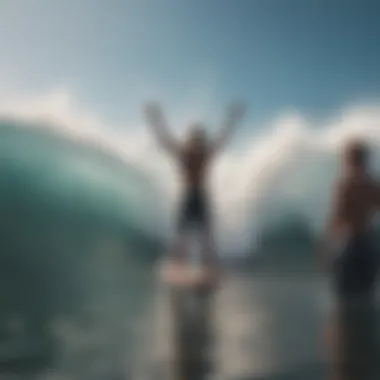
x=357 y=153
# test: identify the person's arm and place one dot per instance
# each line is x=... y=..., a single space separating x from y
x=157 y=123
x=234 y=115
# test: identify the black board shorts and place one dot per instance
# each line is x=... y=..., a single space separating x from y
x=194 y=211
x=355 y=267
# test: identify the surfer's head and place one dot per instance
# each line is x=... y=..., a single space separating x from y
x=197 y=136
x=356 y=154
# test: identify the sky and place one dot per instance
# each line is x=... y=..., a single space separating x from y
x=195 y=56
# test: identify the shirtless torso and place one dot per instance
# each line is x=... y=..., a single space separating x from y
x=357 y=201
x=194 y=167
x=350 y=250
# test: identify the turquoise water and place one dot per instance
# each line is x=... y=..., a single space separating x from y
x=78 y=241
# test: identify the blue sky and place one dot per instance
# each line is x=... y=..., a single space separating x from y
x=310 y=55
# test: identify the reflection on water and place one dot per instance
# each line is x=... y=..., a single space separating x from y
x=264 y=327
x=267 y=327
x=274 y=328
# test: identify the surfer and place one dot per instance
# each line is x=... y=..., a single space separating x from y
x=356 y=199
x=349 y=237
x=193 y=158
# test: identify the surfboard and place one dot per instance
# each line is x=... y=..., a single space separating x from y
x=191 y=294
x=182 y=275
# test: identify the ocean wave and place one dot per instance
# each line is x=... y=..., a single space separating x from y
x=78 y=233
x=284 y=168
x=61 y=172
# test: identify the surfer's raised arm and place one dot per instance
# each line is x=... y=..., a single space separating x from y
x=234 y=115
x=156 y=120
